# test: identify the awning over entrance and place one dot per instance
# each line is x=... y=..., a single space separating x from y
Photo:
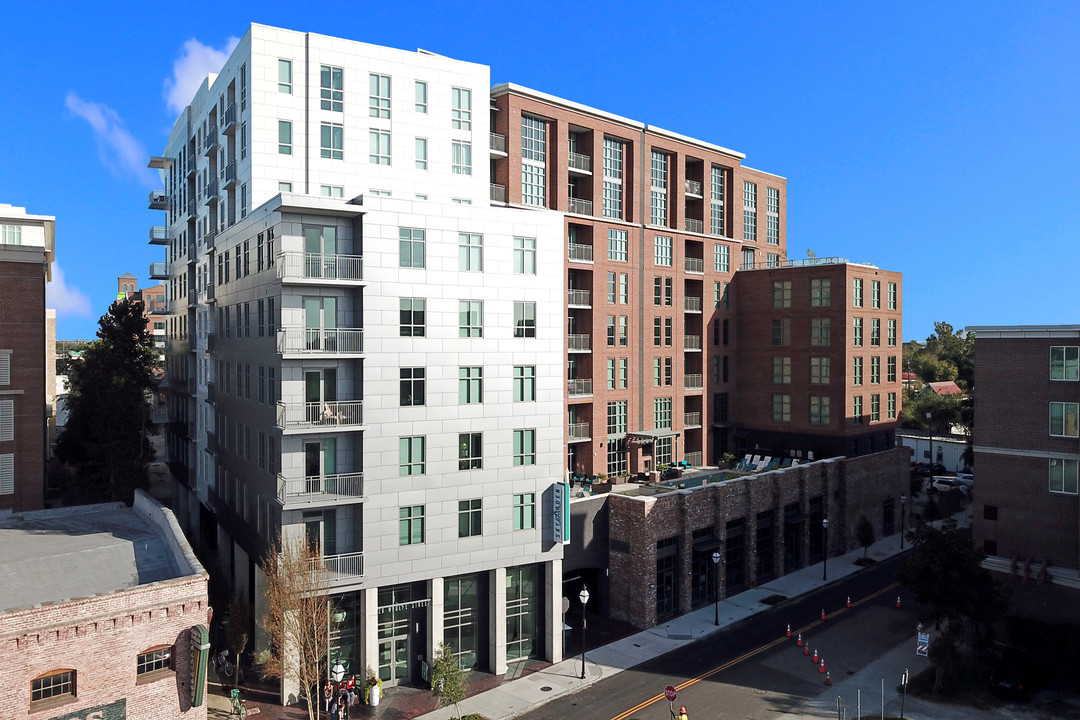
x=648 y=437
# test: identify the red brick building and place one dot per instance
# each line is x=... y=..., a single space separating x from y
x=26 y=256
x=103 y=609
x=1027 y=449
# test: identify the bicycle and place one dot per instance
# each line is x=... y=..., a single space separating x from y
x=237 y=705
x=222 y=664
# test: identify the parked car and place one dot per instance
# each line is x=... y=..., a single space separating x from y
x=966 y=479
x=928 y=469
x=947 y=483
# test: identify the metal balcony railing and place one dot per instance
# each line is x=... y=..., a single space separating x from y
x=229 y=123
x=159 y=235
x=579 y=342
x=577 y=161
x=692 y=187
x=191 y=209
x=694 y=458
x=230 y=174
x=317 y=266
x=211 y=392
x=159 y=200
x=692 y=304
x=693 y=381
x=581 y=252
x=578 y=431
x=497 y=142
x=335 y=413
x=695 y=265
x=694 y=226
x=579 y=206
x=692 y=419
x=581 y=298
x=319 y=489
x=339 y=341
x=210 y=142
x=211 y=338
x=692 y=342
x=579 y=387
x=159 y=271
x=211 y=190
x=343 y=565
x=498 y=193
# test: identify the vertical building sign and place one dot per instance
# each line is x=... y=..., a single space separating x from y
x=560 y=513
x=200 y=649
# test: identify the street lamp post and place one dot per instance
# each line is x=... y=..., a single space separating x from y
x=825 y=548
x=583 y=596
x=930 y=427
x=716 y=587
x=903 y=505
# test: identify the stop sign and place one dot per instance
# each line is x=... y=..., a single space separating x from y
x=669 y=693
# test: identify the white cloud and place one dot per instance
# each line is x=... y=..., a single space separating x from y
x=196 y=61
x=117 y=147
x=65 y=299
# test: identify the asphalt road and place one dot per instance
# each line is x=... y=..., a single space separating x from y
x=752 y=670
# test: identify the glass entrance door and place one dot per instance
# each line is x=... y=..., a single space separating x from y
x=320 y=252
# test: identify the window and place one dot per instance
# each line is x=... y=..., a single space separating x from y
x=613 y=173
x=334 y=191
x=284 y=187
x=461 y=158
x=772 y=216
x=781 y=332
x=667 y=292
x=820 y=292
x=875 y=332
x=667 y=332
x=470 y=252
x=616 y=417
x=657 y=373
x=524 y=319
x=331 y=141
x=7 y=420
x=411 y=525
x=379 y=95
x=624 y=288
x=747 y=259
x=667 y=371
x=721 y=258
x=461 y=109
x=330 y=90
x=284 y=136
x=875 y=370
x=1064 y=363
x=781 y=370
x=662 y=413
x=469 y=451
x=875 y=294
x=470 y=385
x=781 y=294
x=610 y=362
x=524 y=511
x=421 y=153
x=524 y=383
x=421 y=96
x=856 y=292
x=1063 y=419
x=891 y=376
x=378 y=147
x=284 y=76
x=857 y=332
x=7 y=474
x=533 y=161
x=819 y=371
x=819 y=410
x=411 y=245
x=819 y=331
x=411 y=456
x=1063 y=476
x=623 y=331
x=412 y=317
x=856 y=410
x=412 y=387
x=892 y=406
x=781 y=408
x=717 y=201
x=57 y=684
x=875 y=407
x=772 y=260
x=658 y=179
x=663 y=251
x=892 y=296
x=657 y=290
x=611 y=331
x=892 y=333
x=749 y=231
x=617 y=245
x=153 y=660
x=856 y=371
x=11 y=235
x=470 y=518
x=524 y=447
x=525 y=256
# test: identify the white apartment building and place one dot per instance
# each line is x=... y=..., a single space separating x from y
x=362 y=351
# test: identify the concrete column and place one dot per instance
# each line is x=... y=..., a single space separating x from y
x=435 y=618
x=497 y=621
x=369 y=631
x=553 y=615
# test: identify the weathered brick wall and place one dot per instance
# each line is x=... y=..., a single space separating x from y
x=100 y=638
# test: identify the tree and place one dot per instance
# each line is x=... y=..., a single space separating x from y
x=864 y=533
x=107 y=437
x=238 y=630
x=296 y=617
x=447 y=679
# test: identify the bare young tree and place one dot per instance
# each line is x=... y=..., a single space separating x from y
x=296 y=618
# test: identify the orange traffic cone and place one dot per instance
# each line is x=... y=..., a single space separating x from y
x=823 y=614
x=806 y=649
x=828 y=680
x=897 y=601
x=849 y=601
x=798 y=643
x=789 y=630
x=815 y=660
x=821 y=668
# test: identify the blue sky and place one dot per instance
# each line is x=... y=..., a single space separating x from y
x=936 y=139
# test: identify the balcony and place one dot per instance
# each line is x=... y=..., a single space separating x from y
x=230 y=175
x=579 y=298
x=691 y=419
x=578 y=206
x=694 y=458
x=320 y=341
x=580 y=253
x=191 y=167
x=159 y=271
x=159 y=200
x=159 y=235
x=315 y=268
x=211 y=393
x=317 y=415
x=578 y=431
x=498 y=193
x=160 y=163
x=209 y=239
x=579 y=343
x=578 y=163
x=211 y=191
x=692 y=304
x=191 y=210
x=579 y=388
x=320 y=490
x=692 y=188
x=211 y=340
x=343 y=567
x=695 y=265
x=694 y=226
x=497 y=143
x=228 y=125
x=693 y=381
x=210 y=142
x=692 y=342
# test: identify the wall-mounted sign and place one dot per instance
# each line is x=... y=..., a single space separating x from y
x=116 y=710
x=560 y=513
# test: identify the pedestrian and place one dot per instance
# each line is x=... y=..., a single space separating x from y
x=350 y=689
x=328 y=695
x=343 y=704
x=682 y=714
x=334 y=712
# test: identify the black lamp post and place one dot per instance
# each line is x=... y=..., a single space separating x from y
x=716 y=587
x=583 y=596
x=903 y=505
x=825 y=548
x=930 y=428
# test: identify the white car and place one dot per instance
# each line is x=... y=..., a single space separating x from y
x=967 y=480
x=942 y=484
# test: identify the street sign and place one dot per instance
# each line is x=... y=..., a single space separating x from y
x=923 y=645
x=669 y=693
